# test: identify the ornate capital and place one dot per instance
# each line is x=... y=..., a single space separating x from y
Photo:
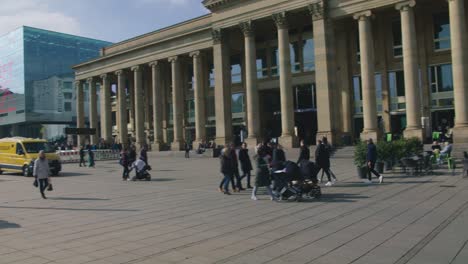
x=364 y=15
x=136 y=68
x=119 y=72
x=318 y=10
x=247 y=28
x=405 y=6
x=154 y=64
x=281 y=20
x=173 y=59
x=90 y=80
x=78 y=84
x=195 y=54
x=104 y=76
x=217 y=35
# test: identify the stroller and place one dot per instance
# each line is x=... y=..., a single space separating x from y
x=141 y=171
x=293 y=182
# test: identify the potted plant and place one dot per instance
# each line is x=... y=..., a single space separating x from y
x=360 y=153
x=384 y=155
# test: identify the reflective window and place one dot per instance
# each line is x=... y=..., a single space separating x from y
x=210 y=109
x=67 y=96
x=295 y=56
x=306 y=97
x=274 y=61
x=441 y=31
x=236 y=69
x=191 y=79
x=357 y=88
x=212 y=77
x=238 y=103
x=68 y=106
x=309 y=54
x=441 y=78
x=396 y=83
x=397 y=39
x=262 y=66
x=190 y=111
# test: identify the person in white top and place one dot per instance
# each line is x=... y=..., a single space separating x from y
x=41 y=172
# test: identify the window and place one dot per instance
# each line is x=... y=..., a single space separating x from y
x=358 y=48
x=191 y=79
x=237 y=103
x=441 y=78
x=262 y=66
x=236 y=69
x=441 y=31
x=397 y=39
x=212 y=77
x=67 y=85
x=357 y=87
x=190 y=111
x=295 y=57
x=397 y=83
x=306 y=97
x=308 y=54
x=210 y=109
x=67 y=106
x=274 y=61
x=68 y=96
x=19 y=149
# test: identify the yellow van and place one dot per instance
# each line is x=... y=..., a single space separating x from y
x=18 y=154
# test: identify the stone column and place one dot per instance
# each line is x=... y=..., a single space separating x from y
x=199 y=97
x=93 y=116
x=177 y=103
x=325 y=73
x=251 y=89
x=459 y=47
x=285 y=76
x=157 y=86
x=222 y=71
x=139 y=129
x=122 y=108
x=342 y=54
x=131 y=105
x=106 y=109
x=410 y=65
x=366 y=43
x=80 y=116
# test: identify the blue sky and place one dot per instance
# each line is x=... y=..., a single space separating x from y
x=110 y=20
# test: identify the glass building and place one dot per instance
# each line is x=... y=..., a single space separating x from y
x=36 y=79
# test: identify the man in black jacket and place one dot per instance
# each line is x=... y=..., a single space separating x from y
x=371 y=158
x=305 y=152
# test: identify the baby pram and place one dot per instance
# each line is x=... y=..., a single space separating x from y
x=293 y=182
x=141 y=170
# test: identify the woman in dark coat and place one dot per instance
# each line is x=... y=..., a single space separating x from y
x=226 y=170
x=322 y=160
x=246 y=164
x=262 y=178
x=304 y=154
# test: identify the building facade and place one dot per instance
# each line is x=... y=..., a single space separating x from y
x=292 y=69
x=36 y=79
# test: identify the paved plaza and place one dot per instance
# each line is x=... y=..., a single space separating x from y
x=94 y=217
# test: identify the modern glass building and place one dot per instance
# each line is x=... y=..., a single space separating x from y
x=36 y=79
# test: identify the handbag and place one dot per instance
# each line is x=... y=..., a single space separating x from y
x=50 y=187
x=35 y=184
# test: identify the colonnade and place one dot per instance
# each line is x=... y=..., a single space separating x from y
x=326 y=85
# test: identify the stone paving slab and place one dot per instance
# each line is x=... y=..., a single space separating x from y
x=94 y=217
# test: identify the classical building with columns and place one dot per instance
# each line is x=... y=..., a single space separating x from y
x=289 y=69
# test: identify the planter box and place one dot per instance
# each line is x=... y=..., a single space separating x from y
x=362 y=172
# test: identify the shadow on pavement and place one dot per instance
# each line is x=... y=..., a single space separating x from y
x=70 y=174
x=77 y=199
x=69 y=209
x=166 y=170
x=6 y=224
x=162 y=179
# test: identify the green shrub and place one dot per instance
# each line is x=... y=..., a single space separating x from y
x=360 y=152
x=385 y=150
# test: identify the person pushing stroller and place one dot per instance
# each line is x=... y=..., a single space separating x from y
x=141 y=170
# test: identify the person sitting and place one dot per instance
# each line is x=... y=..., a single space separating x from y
x=139 y=166
x=445 y=152
x=436 y=148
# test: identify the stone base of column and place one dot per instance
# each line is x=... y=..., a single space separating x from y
x=156 y=146
x=332 y=137
x=289 y=141
x=460 y=141
x=414 y=133
x=177 y=145
x=374 y=134
x=251 y=142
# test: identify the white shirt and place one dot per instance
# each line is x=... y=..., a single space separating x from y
x=139 y=165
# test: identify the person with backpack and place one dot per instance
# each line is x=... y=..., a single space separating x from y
x=262 y=178
x=304 y=153
x=124 y=162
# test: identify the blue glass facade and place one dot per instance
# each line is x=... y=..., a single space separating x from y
x=36 y=79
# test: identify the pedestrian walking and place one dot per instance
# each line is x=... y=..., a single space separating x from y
x=91 y=163
x=262 y=176
x=226 y=170
x=246 y=164
x=187 y=150
x=124 y=162
x=82 y=156
x=132 y=155
x=304 y=153
x=41 y=173
x=371 y=158
x=144 y=153
x=235 y=169
x=329 y=148
x=322 y=160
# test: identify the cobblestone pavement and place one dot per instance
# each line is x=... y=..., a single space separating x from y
x=94 y=217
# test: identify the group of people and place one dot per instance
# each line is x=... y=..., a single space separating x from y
x=441 y=153
x=89 y=150
x=128 y=160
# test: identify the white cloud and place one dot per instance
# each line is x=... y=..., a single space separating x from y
x=34 y=13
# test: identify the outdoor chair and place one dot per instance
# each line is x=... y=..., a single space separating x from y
x=436 y=136
x=411 y=166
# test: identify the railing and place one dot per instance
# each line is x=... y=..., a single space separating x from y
x=73 y=156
